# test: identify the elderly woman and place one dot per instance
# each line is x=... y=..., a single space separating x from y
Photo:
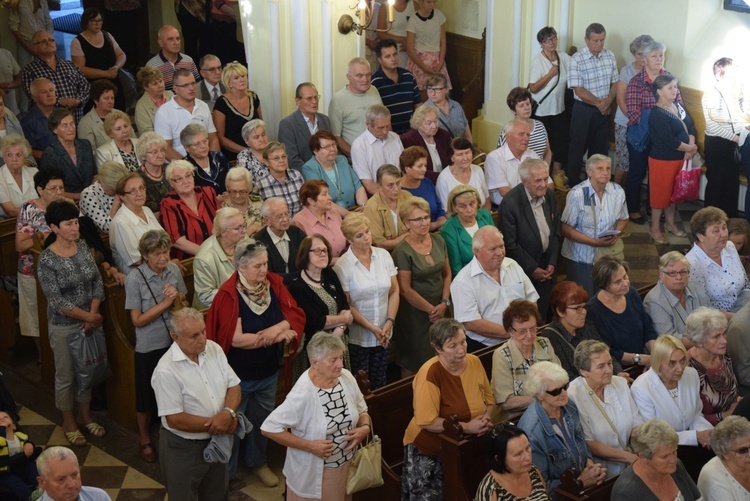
x=368 y=277
x=150 y=294
x=658 y=473
x=121 y=148
x=91 y=126
x=16 y=177
x=152 y=154
x=239 y=185
x=98 y=201
x=256 y=321
x=512 y=360
x=608 y=411
x=72 y=156
x=670 y=390
x=554 y=452
x=213 y=264
x=73 y=286
x=548 y=80
x=465 y=217
x=426 y=133
x=413 y=163
x=424 y=280
x=715 y=264
x=321 y=421
x=383 y=209
x=707 y=330
x=462 y=171
x=131 y=221
x=618 y=314
x=317 y=216
x=188 y=212
x=450 y=113
x=211 y=167
x=512 y=475
x=151 y=82
x=594 y=208
x=281 y=181
x=673 y=297
x=570 y=327
x=235 y=108
x=519 y=102
x=251 y=158
x=318 y=291
x=451 y=383
x=344 y=186
x=727 y=476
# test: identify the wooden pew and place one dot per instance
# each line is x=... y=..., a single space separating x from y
x=571 y=490
x=8 y=267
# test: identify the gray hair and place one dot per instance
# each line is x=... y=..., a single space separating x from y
x=511 y=126
x=265 y=209
x=190 y=131
x=322 y=344
x=583 y=352
x=110 y=173
x=247 y=250
x=640 y=42
x=207 y=58
x=444 y=330
x=524 y=170
x=240 y=174
x=730 y=429
x=154 y=240
x=37 y=82
x=376 y=112
x=223 y=216
x=671 y=258
x=146 y=141
x=653 y=46
x=651 y=435
x=542 y=373
x=387 y=170
x=298 y=90
x=479 y=237
x=57 y=453
x=179 y=165
x=420 y=113
x=249 y=127
x=605 y=268
x=15 y=140
x=595 y=160
x=355 y=61
x=703 y=321
x=179 y=317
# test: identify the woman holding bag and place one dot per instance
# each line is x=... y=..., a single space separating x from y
x=672 y=145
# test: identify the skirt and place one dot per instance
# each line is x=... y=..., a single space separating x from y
x=334 y=486
x=661 y=174
x=430 y=59
x=28 y=315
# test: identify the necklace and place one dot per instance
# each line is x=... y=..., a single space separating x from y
x=319 y=282
x=153 y=176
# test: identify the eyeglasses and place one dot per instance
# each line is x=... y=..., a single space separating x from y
x=549 y=40
x=577 y=309
x=329 y=147
x=179 y=180
x=181 y=86
x=240 y=228
x=556 y=392
x=319 y=252
x=55 y=189
x=98 y=20
x=156 y=152
x=742 y=451
x=530 y=330
x=136 y=191
x=237 y=193
x=278 y=158
x=212 y=70
x=45 y=40
x=423 y=219
x=672 y=274
x=435 y=89
x=499 y=428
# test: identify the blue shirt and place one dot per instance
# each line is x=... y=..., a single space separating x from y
x=427 y=191
x=399 y=97
x=36 y=129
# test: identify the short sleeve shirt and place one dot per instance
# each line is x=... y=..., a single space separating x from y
x=595 y=74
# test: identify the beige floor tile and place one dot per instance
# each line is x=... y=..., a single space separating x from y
x=98 y=457
x=137 y=480
x=29 y=417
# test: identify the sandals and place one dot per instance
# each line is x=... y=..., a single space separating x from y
x=95 y=429
x=148 y=452
x=75 y=438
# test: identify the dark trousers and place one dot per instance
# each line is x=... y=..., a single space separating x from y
x=558 y=132
x=195 y=35
x=544 y=289
x=374 y=361
x=186 y=475
x=636 y=173
x=722 y=176
x=589 y=131
x=472 y=345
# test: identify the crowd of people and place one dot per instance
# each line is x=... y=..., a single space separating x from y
x=365 y=236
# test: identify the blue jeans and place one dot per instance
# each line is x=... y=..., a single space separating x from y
x=258 y=399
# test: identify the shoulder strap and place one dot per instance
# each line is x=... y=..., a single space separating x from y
x=562 y=338
x=606 y=416
x=153 y=296
x=556 y=81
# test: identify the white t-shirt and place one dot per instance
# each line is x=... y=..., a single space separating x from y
x=554 y=104
x=446 y=182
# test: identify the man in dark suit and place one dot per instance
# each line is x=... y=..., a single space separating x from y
x=295 y=129
x=530 y=222
x=281 y=239
x=210 y=88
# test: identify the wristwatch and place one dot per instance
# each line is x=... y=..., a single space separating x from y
x=637 y=358
x=231 y=411
x=446 y=301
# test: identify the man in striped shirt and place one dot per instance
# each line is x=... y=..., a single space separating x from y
x=397 y=86
x=170 y=58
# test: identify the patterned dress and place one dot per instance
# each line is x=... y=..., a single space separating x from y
x=339 y=422
x=488 y=485
x=718 y=388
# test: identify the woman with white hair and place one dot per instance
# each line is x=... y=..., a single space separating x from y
x=122 y=147
x=707 y=330
x=251 y=158
x=727 y=476
x=152 y=154
x=426 y=133
x=239 y=185
x=99 y=201
x=16 y=178
x=553 y=426
x=235 y=108
x=211 y=167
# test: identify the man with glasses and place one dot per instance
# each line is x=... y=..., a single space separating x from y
x=71 y=87
x=170 y=59
x=295 y=129
x=281 y=239
x=211 y=87
x=181 y=110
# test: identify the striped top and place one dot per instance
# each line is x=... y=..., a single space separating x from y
x=399 y=97
x=723 y=116
x=167 y=68
x=488 y=485
x=180 y=221
x=537 y=141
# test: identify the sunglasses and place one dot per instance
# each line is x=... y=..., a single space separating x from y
x=556 y=392
x=499 y=428
x=742 y=451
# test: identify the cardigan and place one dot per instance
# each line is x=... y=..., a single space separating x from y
x=458 y=240
x=315 y=309
x=381 y=221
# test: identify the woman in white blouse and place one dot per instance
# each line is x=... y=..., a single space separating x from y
x=368 y=277
x=16 y=178
x=462 y=171
x=608 y=412
x=727 y=476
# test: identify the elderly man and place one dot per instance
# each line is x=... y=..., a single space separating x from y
x=181 y=110
x=281 y=239
x=295 y=129
x=376 y=146
x=71 y=86
x=592 y=75
x=485 y=287
x=60 y=477
x=501 y=167
x=197 y=394
x=397 y=87
x=211 y=88
x=35 y=122
x=348 y=107
x=530 y=222
x=170 y=59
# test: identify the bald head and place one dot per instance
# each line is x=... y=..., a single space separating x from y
x=169 y=40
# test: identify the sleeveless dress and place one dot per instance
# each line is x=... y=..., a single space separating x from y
x=103 y=58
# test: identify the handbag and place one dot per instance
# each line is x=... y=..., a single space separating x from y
x=638 y=135
x=534 y=104
x=365 y=470
x=90 y=360
x=687 y=183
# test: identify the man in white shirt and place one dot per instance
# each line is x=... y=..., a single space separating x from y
x=376 y=146
x=501 y=167
x=211 y=88
x=197 y=394
x=60 y=477
x=485 y=287
x=180 y=111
